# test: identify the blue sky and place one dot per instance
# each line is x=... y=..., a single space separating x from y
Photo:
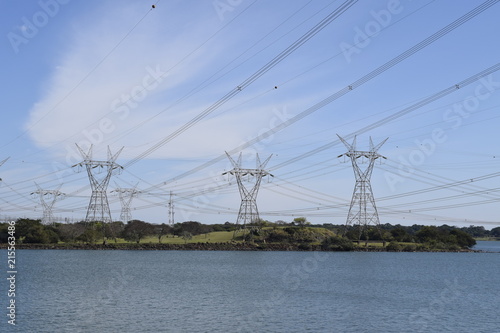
x=124 y=74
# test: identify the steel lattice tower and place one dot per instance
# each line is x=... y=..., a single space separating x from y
x=98 y=209
x=248 y=212
x=126 y=195
x=363 y=210
x=47 y=199
x=171 y=210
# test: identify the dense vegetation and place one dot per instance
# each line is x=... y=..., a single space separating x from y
x=299 y=232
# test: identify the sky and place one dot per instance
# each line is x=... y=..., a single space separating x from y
x=179 y=83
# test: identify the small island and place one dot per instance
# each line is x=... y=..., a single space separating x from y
x=298 y=235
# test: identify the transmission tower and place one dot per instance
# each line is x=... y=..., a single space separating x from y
x=47 y=199
x=362 y=211
x=248 y=209
x=171 y=220
x=126 y=195
x=98 y=209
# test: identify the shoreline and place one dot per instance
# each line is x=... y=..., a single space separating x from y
x=210 y=247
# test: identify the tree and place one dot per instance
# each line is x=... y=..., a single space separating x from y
x=277 y=235
x=136 y=230
x=186 y=235
x=394 y=246
x=427 y=234
x=38 y=234
x=463 y=239
x=475 y=231
x=445 y=236
x=33 y=231
x=113 y=229
x=4 y=232
x=193 y=227
x=218 y=227
x=25 y=226
x=162 y=230
x=300 y=221
x=399 y=234
x=90 y=235
x=336 y=243
x=495 y=232
x=70 y=232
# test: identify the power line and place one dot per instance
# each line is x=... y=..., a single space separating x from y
x=276 y=60
x=429 y=40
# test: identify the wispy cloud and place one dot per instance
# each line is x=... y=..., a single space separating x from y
x=94 y=96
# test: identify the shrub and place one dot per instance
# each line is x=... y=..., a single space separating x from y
x=277 y=235
x=335 y=243
x=394 y=247
x=410 y=248
x=305 y=246
x=41 y=235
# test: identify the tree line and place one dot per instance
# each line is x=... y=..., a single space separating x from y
x=297 y=231
x=32 y=231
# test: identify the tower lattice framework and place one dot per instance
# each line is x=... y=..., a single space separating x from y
x=171 y=212
x=98 y=208
x=126 y=195
x=363 y=210
x=248 y=212
x=47 y=199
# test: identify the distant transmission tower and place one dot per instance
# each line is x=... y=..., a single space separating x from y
x=47 y=199
x=98 y=209
x=126 y=195
x=171 y=220
x=363 y=210
x=248 y=209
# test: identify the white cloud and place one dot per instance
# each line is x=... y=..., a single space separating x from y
x=125 y=87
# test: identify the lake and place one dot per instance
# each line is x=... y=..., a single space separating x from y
x=204 y=291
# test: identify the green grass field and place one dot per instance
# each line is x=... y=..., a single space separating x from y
x=212 y=237
x=487 y=238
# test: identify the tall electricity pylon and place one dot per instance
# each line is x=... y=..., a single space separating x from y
x=248 y=209
x=171 y=220
x=126 y=195
x=98 y=209
x=363 y=210
x=47 y=199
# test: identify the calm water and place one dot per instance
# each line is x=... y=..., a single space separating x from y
x=188 y=291
x=488 y=246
